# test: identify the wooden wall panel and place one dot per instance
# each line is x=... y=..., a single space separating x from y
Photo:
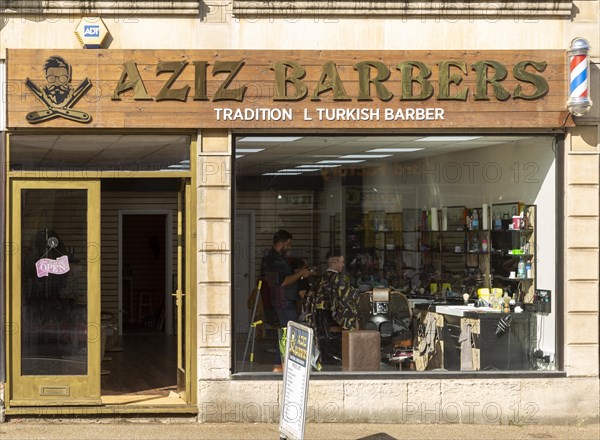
x=111 y=203
x=104 y=67
x=61 y=214
x=272 y=214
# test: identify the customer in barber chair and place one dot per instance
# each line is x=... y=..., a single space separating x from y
x=332 y=306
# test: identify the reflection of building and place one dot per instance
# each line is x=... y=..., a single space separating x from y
x=153 y=172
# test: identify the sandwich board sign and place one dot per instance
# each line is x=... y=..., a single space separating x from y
x=296 y=374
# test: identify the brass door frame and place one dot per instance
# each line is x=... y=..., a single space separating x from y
x=83 y=390
x=190 y=258
x=182 y=296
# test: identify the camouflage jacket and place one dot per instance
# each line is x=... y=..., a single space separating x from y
x=334 y=292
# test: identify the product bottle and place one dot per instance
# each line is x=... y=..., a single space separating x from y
x=494 y=300
x=506 y=221
x=521 y=268
x=497 y=222
x=528 y=270
x=475 y=220
x=484 y=246
x=475 y=244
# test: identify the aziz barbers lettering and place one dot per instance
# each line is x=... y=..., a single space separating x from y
x=299 y=89
x=290 y=82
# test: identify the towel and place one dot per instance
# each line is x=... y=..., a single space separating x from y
x=466 y=348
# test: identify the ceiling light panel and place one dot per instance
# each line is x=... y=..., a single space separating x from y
x=394 y=150
x=365 y=156
x=341 y=161
x=448 y=138
x=317 y=166
x=269 y=139
x=249 y=150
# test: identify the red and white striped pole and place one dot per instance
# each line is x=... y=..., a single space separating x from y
x=579 y=102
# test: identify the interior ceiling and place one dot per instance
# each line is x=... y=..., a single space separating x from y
x=102 y=151
x=313 y=149
x=111 y=151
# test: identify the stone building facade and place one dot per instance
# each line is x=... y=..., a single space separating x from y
x=220 y=393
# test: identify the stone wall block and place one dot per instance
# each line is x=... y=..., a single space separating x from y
x=215 y=141
x=582 y=264
x=582 y=360
x=214 y=363
x=559 y=400
x=214 y=203
x=374 y=401
x=584 y=138
x=214 y=299
x=214 y=331
x=214 y=267
x=239 y=401
x=582 y=200
x=583 y=169
x=581 y=328
x=582 y=232
x=325 y=401
x=582 y=296
x=214 y=235
x=479 y=400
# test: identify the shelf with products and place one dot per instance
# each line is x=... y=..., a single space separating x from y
x=464 y=246
x=513 y=257
x=374 y=248
x=402 y=249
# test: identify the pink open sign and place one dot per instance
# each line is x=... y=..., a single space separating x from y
x=46 y=266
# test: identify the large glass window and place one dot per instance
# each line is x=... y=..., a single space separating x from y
x=407 y=253
x=54 y=154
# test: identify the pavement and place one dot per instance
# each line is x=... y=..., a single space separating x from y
x=25 y=429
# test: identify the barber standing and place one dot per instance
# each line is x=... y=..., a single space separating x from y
x=282 y=281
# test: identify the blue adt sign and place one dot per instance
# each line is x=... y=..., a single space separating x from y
x=91 y=30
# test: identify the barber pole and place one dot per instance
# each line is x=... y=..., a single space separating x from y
x=579 y=102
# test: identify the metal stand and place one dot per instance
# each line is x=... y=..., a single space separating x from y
x=252 y=330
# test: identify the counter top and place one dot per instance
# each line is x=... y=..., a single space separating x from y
x=463 y=311
x=456 y=310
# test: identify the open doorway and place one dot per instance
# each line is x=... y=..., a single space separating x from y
x=139 y=232
x=146 y=272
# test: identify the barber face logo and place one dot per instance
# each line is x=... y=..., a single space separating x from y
x=57 y=94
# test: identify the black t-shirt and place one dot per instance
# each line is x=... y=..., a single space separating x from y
x=275 y=267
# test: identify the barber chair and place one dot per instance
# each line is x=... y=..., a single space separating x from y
x=401 y=314
x=403 y=336
x=379 y=318
x=390 y=314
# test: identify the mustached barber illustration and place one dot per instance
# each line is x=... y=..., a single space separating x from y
x=58 y=77
x=58 y=94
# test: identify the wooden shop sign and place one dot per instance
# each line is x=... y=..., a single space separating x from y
x=286 y=89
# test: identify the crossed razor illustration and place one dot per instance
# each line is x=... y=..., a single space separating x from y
x=64 y=110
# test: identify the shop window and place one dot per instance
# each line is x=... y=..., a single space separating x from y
x=448 y=245
x=90 y=153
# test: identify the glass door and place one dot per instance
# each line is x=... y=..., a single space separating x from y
x=183 y=288
x=56 y=335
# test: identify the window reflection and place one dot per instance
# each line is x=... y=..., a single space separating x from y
x=429 y=265
x=54 y=337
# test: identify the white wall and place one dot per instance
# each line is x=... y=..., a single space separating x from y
x=519 y=171
x=546 y=238
x=220 y=31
